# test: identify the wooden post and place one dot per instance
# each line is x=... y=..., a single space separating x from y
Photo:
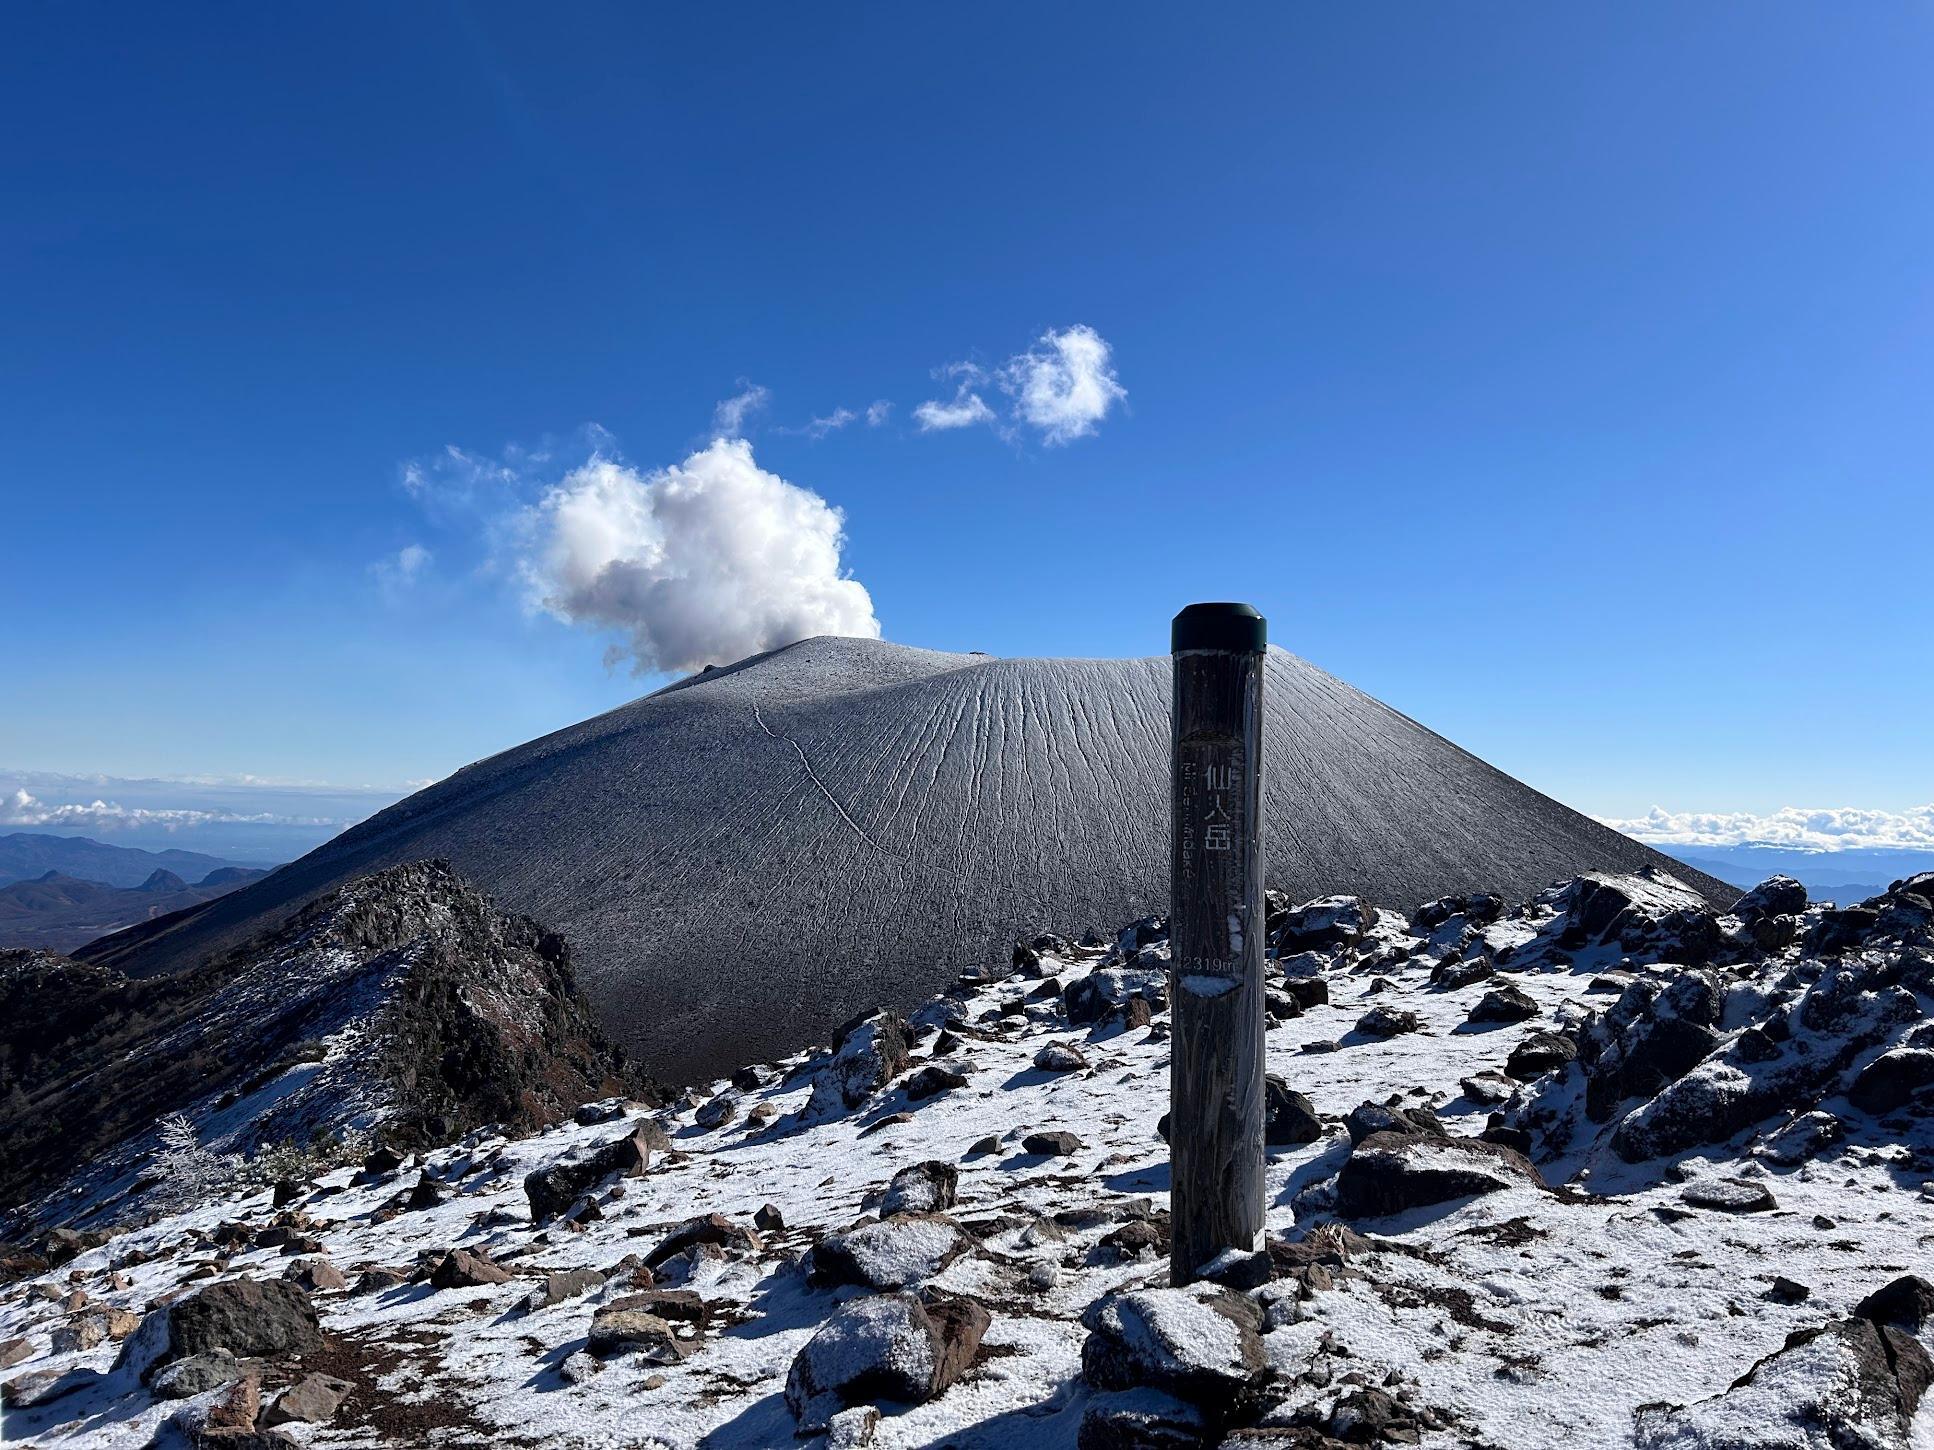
x=1216 y=938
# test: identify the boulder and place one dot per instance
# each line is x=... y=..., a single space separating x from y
x=1108 y=990
x=1409 y=1122
x=311 y=1400
x=626 y=1326
x=710 y=1228
x=1392 y=1173
x=1456 y=971
x=1060 y=1057
x=932 y=1080
x=893 y=1253
x=1329 y=922
x=1906 y=1303
x=892 y=1347
x=928 y=1187
x=467 y=1269
x=1850 y=1383
x=1142 y=1419
x=1478 y=909
x=1306 y=992
x=1730 y=1195
x=1843 y=929
x=868 y=1053
x=1775 y=896
x=1538 y=1054
x=554 y=1190
x=1058 y=1144
x=1388 y=1022
x=246 y=1317
x=1288 y=1116
x=197 y=1374
x=562 y=1284
x=1505 y=1004
x=1202 y=1344
x=1892 y=1079
x=716 y=1112
x=316 y=1275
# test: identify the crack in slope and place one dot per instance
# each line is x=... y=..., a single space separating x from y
x=831 y=799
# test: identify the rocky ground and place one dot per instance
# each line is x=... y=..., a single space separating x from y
x=1600 y=1168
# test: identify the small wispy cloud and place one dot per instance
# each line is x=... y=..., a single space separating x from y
x=877 y=413
x=396 y=573
x=831 y=423
x=1062 y=388
x=728 y=418
x=965 y=410
x=1797 y=828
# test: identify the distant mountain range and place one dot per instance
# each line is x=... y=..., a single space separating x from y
x=26 y=856
x=1837 y=876
x=59 y=910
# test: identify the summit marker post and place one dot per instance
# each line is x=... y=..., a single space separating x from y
x=1216 y=938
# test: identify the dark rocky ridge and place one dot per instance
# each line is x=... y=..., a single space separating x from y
x=462 y=1015
x=746 y=859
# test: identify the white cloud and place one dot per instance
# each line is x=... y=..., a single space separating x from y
x=966 y=409
x=704 y=562
x=831 y=423
x=24 y=809
x=730 y=415
x=1062 y=387
x=877 y=412
x=1065 y=384
x=397 y=572
x=1793 y=827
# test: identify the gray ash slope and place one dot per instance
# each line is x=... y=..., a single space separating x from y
x=747 y=858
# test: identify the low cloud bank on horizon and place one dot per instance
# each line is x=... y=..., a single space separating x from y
x=1797 y=828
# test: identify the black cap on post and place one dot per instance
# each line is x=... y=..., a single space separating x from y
x=1219 y=626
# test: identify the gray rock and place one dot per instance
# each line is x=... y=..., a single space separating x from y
x=562 y=1284
x=868 y=1053
x=247 y=1318
x=928 y=1187
x=1906 y=1303
x=1201 y=1344
x=311 y=1400
x=1505 y=1004
x=1891 y=1080
x=1730 y=1195
x=1538 y=1054
x=893 y=1253
x=554 y=1190
x=1390 y=1173
x=625 y=1326
x=196 y=1374
x=1850 y=1383
x=1288 y=1116
x=1142 y=1419
x=886 y=1347
x=1058 y=1144
x=711 y=1228
x=1388 y=1022
x=1060 y=1057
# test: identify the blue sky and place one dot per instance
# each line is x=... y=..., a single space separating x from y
x=1561 y=377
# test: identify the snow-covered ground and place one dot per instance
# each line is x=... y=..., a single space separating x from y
x=1527 y=1316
